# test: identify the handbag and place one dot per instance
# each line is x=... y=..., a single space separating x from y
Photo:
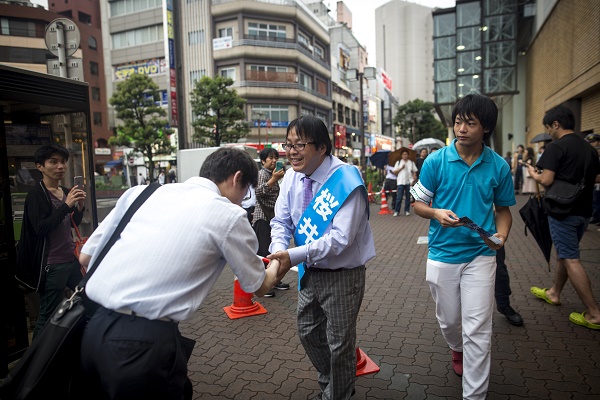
x=49 y=367
x=79 y=242
x=560 y=196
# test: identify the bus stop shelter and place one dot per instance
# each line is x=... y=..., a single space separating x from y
x=36 y=109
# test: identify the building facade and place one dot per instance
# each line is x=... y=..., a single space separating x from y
x=477 y=49
x=570 y=30
x=22 y=44
x=279 y=58
x=405 y=49
x=87 y=17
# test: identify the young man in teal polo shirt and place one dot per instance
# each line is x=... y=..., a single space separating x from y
x=466 y=179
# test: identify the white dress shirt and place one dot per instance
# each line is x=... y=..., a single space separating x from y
x=172 y=251
x=405 y=176
x=347 y=241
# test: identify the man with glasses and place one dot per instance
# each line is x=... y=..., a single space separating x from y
x=331 y=267
x=266 y=193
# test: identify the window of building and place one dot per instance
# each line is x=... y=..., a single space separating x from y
x=279 y=115
x=17 y=27
x=136 y=37
x=225 y=32
x=305 y=80
x=67 y=13
x=444 y=70
x=228 y=73
x=322 y=87
x=92 y=44
x=468 y=14
x=322 y=117
x=333 y=110
x=121 y=7
x=95 y=93
x=85 y=18
x=444 y=47
x=196 y=37
x=347 y=115
x=303 y=40
x=94 y=70
x=319 y=52
x=444 y=25
x=468 y=39
x=23 y=55
x=306 y=111
x=353 y=117
x=197 y=74
x=266 y=30
x=340 y=112
x=268 y=68
x=97 y=118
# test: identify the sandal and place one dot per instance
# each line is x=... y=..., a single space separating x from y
x=579 y=319
x=541 y=294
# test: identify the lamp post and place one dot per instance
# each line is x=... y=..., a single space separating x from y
x=258 y=114
x=354 y=75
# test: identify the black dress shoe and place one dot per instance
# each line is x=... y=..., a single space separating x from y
x=511 y=315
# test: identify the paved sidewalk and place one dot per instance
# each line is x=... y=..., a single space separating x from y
x=260 y=357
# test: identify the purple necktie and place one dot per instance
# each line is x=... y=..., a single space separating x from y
x=308 y=195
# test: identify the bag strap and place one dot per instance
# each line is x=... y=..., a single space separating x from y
x=117 y=233
x=75 y=227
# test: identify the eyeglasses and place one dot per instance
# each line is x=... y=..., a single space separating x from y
x=297 y=146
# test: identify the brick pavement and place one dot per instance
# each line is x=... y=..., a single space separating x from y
x=260 y=357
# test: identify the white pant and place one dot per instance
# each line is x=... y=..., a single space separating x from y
x=464 y=297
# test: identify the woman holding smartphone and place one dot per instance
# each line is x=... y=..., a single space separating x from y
x=266 y=193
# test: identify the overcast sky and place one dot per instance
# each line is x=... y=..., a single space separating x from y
x=363 y=17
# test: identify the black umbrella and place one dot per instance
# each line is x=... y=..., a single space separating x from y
x=542 y=137
x=536 y=220
x=380 y=158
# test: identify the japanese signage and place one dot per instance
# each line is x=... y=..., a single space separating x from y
x=154 y=66
x=222 y=43
x=387 y=81
x=170 y=33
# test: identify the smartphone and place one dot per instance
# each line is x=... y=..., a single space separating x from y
x=78 y=181
x=278 y=166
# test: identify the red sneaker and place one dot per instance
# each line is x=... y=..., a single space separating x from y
x=457 y=364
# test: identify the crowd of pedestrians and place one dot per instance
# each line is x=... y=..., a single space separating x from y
x=313 y=217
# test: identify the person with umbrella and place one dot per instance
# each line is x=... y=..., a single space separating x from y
x=568 y=158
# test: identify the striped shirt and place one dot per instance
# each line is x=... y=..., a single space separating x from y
x=265 y=196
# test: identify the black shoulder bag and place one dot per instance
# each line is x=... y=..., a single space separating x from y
x=50 y=365
x=560 y=196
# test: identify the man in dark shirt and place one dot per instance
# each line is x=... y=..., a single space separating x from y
x=569 y=158
x=419 y=161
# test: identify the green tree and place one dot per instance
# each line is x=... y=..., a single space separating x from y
x=143 y=129
x=421 y=113
x=219 y=111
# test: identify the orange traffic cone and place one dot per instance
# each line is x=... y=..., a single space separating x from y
x=364 y=365
x=384 y=206
x=243 y=306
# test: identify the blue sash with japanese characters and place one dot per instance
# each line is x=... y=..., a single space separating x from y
x=323 y=207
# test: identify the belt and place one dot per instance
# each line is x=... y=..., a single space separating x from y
x=330 y=270
x=129 y=311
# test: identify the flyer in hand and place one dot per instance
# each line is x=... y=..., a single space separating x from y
x=474 y=227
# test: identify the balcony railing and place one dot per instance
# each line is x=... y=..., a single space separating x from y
x=280 y=43
x=281 y=85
